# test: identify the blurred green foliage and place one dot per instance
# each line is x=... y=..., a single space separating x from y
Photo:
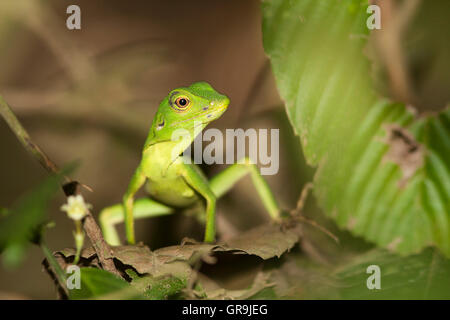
x=95 y=283
x=420 y=276
x=383 y=173
x=26 y=220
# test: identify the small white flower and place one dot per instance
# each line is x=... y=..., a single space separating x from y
x=75 y=207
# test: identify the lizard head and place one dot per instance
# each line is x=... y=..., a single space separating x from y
x=190 y=108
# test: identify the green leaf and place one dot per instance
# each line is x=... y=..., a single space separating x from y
x=23 y=222
x=95 y=283
x=421 y=276
x=159 y=288
x=382 y=173
x=3 y=212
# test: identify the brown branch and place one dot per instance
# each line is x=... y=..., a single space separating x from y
x=395 y=19
x=70 y=187
x=297 y=212
x=255 y=88
x=24 y=138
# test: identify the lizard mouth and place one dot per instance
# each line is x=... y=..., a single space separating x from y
x=217 y=111
x=206 y=116
x=210 y=116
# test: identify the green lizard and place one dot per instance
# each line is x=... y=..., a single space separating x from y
x=171 y=182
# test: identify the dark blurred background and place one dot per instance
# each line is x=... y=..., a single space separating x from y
x=90 y=95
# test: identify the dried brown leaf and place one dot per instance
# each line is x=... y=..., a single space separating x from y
x=267 y=241
x=404 y=151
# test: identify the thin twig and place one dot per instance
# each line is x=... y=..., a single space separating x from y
x=91 y=227
x=317 y=226
x=297 y=212
x=395 y=19
x=44 y=23
x=59 y=272
x=256 y=87
x=303 y=196
x=24 y=138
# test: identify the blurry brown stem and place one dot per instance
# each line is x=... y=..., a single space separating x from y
x=297 y=212
x=90 y=226
x=24 y=138
x=60 y=274
x=317 y=226
x=46 y=25
x=395 y=19
x=256 y=87
x=303 y=196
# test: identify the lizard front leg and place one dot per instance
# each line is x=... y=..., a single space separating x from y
x=136 y=183
x=142 y=208
x=201 y=185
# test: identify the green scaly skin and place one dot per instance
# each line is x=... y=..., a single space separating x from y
x=172 y=183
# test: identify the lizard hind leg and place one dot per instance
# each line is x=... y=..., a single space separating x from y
x=225 y=180
x=143 y=208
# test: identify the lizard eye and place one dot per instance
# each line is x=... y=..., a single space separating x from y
x=182 y=103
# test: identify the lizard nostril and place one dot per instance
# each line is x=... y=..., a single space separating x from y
x=205 y=108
